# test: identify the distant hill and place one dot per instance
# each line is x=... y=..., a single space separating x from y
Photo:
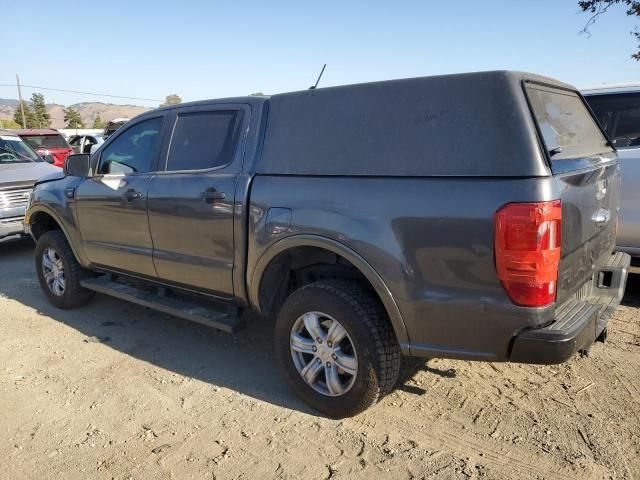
x=88 y=111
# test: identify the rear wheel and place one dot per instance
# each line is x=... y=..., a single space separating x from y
x=59 y=272
x=336 y=347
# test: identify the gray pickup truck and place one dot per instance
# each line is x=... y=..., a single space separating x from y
x=466 y=216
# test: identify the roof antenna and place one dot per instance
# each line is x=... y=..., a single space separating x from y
x=313 y=87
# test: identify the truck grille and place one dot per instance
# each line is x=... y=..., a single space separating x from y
x=11 y=221
x=17 y=197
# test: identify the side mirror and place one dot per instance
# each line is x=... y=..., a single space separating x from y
x=49 y=158
x=77 y=165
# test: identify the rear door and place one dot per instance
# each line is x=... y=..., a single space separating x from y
x=586 y=167
x=112 y=205
x=191 y=202
x=619 y=115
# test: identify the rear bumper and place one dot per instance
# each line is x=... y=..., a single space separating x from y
x=579 y=321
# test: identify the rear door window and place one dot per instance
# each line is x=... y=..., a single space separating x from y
x=203 y=140
x=619 y=115
x=566 y=125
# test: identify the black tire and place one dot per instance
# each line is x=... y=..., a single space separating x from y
x=74 y=295
x=370 y=331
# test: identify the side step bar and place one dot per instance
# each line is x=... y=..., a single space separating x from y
x=178 y=307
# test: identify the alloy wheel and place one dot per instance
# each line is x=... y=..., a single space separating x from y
x=53 y=271
x=323 y=354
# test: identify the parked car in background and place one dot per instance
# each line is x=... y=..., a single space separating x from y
x=109 y=130
x=112 y=126
x=367 y=229
x=20 y=167
x=85 y=143
x=617 y=108
x=47 y=141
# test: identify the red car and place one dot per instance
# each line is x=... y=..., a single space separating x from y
x=47 y=141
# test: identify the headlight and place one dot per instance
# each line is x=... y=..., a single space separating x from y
x=29 y=200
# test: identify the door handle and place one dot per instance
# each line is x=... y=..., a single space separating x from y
x=132 y=195
x=210 y=195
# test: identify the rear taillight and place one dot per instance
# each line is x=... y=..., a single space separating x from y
x=527 y=247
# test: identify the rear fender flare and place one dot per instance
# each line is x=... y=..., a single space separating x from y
x=338 y=248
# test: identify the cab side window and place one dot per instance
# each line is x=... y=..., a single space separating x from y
x=204 y=140
x=133 y=151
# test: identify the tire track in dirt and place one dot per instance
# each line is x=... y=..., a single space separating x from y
x=505 y=460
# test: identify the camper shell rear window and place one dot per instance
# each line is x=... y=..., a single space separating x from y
x=565 y=123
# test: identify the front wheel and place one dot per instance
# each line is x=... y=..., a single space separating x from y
x=59 y=272
x=337 y=348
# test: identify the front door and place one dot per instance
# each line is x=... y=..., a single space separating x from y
x=112 y=205
x=629 y=229
x=191 y=202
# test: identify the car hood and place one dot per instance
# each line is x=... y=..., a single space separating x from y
x=24 y=173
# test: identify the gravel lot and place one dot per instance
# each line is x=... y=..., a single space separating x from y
x=116 y=391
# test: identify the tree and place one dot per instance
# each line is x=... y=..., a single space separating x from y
x=41 y=118
x=72 y=118
x=172 y=99
x=256 y=94
x=28 y=114
x=97 y=122
x=598 y=7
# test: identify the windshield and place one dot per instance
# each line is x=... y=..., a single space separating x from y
x=567 y=127
x=46 y=141
x=14 y=150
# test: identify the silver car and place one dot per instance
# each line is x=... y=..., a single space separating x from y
x=85 y=143
x=617 y=108
x=20 y=167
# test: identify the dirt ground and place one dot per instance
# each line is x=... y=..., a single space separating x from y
x=113 y=390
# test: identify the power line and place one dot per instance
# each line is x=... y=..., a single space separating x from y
x=82 y=93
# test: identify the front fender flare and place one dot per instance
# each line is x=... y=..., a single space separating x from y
x=340 y=249
x=34 y=210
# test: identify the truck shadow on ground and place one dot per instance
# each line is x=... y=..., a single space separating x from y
x=243 y=362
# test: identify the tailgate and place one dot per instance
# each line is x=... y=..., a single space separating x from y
x=586 y=167
x=590 y=204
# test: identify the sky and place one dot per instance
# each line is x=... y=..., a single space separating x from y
x=215 y=49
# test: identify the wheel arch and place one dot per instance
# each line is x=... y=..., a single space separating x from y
x=291 y=243
x=42 y=219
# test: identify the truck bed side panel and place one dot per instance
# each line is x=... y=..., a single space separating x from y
x=431 y=240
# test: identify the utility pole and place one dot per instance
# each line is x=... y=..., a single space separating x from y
x=24 y=120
